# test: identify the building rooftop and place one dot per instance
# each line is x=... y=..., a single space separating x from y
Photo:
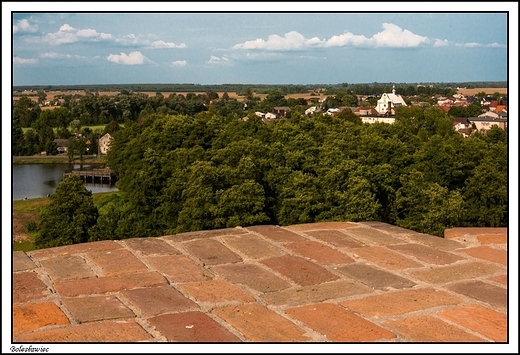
x=366 y=282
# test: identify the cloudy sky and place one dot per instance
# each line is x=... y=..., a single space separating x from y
x=247 y=47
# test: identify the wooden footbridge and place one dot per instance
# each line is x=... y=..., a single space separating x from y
x=105 y=175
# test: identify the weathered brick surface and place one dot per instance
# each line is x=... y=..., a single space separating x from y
x=27 y=286
x=427 y=328
x=115 y=262
x=401 y=302
x=372 y=236
x=315 y=293
x=338 y=324
x=192 y=327
x=111 y=331
x=253 y=246
x=493 y=295
x=67 y=267
x=299 y=270
x=390 y=229
x=336 y=238
x=258 y=323
x=321 y=226
x=252 y=276
x=482 y=320
x=487 y=253
x=105 y=245
x=98 y=285
x=152 y=301
x=473 y=231
x=181 y=237
x=22 y=262
x=455 y=272
x=150 y=246
x=319 y=252
x=386 y=258
x=426 y=254
x=31 y=316
x=492 y=238
x=215 y=291
x=277 y=234
x=178 y=268
x=375 y=278
x=89 y=309
x=211 y=252
x=431 y=241
x=501 y=279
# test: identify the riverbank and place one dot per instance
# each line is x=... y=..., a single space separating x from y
x=57 y=159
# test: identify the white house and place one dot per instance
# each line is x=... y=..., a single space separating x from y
x=104 y=143
x=388 y=102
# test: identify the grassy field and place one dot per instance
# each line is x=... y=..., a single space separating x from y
x=28 y=211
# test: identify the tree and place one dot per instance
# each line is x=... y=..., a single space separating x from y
x=69 y=217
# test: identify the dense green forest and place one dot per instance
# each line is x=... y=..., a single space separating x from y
x=210 y=170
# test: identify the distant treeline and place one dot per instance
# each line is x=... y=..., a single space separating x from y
x=356 y=88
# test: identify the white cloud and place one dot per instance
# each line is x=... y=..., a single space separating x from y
x=496 y=45
x=133 y=58
x=218 y=60
x=54 y=55
x=469 y=45
x=22 y=61
x=24 y=26
x=391 y=36
x=440 y=42
x=161 y=44
x=179 y=63
x=69 y=34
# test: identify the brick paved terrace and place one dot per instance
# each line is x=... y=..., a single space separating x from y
x=366 y=282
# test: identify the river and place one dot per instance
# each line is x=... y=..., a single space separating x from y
x=40 y=180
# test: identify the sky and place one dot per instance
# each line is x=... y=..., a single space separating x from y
x=241 y=45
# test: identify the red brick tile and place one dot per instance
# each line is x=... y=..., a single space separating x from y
x=338 y=324
x=192 y=327
x=402 y=302
x=259 y=324
x=315 y=293
x=92 y=247
x=493 y=295
x=479 y=319
x=152 y=301
x=426 y=254
x=179 y=268
x=455 y=272
x=90 y=309
x=253 y=246
x=426 y=328
x=319 y=252
x=492 y=238
x=112 y=331
x=31 y=316
x=67 y=267
x=487 y=253
x=215 y=291
x=321 y=226
x=374 y=277
x=277 y=234
x=252 y=276
x=299 y=270
x=336 y=238
x=372 y=236
x=27 y=286
x=501 y=279
x=150 y=246
x=22 y=262
x=389 y=228
x=115 y=262
x=211 y=252
x=98 y=285
x=431 y=241
x=461 y=232
x=386 y=258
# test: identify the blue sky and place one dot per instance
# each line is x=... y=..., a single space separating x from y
x=249 y=47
